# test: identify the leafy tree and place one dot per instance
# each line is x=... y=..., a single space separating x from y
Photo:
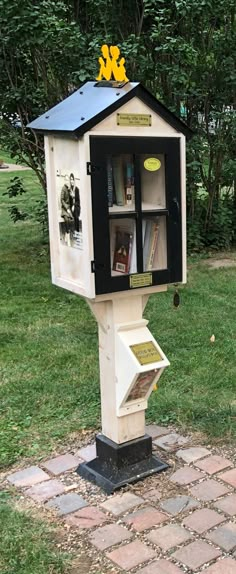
x=182 y=50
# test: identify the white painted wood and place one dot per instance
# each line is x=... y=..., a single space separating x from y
x=118 y=429
x=129 y=294
x=158 y=128
x=128 y=367
x=71 y=267
x=53 y=224
x=120 y=325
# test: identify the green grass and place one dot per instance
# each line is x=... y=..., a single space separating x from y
x=27 y=544
x=198 y=388
x=49 y=349
x=48 y=357
x=6 y=157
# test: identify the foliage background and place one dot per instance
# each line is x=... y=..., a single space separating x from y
x=182 y=50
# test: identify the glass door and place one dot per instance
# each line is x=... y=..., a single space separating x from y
x=136 y=211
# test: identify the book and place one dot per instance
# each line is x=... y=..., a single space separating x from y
x=152 y=246
x=132 y=184
x=122 y=250
x=149 y=243
x=118 y=175
x=146 y=242
x=128 y=183
x=133 y=260
x=109 y=181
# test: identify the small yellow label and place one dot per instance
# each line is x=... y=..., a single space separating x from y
x=152 y=164
x=140 y=280
x=146 y=353
x=134 y=119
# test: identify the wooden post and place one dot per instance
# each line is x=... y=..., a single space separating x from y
x=124 y=452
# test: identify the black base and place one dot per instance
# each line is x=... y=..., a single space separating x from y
x=117 y=465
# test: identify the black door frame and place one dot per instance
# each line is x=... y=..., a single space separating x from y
x=100 y=147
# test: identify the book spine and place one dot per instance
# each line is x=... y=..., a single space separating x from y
x=133 y=259
x=132 y=184
x=128 y=184
x=153 y=246
x=130 y=252
x=146 y=245
x=109 y=182
x=119 y=181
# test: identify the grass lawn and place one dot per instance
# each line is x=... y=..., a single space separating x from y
x=27 y=543
x=6 y=157
x=49 y=376
x=49 y=357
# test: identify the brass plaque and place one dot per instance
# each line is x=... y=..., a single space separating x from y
x=140 y=280
x=146 y=353
x=134 y=120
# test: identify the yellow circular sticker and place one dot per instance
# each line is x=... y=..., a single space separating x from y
x=152 y=164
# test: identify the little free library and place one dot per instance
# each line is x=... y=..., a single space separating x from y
x=115 y=164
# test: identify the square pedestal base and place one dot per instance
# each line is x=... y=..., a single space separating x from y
x=117 y=465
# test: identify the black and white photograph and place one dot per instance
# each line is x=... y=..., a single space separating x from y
x=70 y=222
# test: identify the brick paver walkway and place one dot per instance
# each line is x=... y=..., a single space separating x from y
x=179 y=521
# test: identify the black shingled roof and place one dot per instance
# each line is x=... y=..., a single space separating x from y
x=91 y=104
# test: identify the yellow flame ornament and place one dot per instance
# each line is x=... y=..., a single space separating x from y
x=110 y=65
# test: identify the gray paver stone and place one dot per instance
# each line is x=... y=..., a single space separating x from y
x=45 y=490
x=87 y=453
x=213 y=464
x=224 y=536
x=160 y=567
x=208 y=490
x=203 y=520
x=171 y=441
x=169 y=536
x=120 y=503
x=186 y=475
x=62 y=463
x=86 y=517
x=131 y=555
x=28 y=476
x=229 y=477
x=225 y=566
x=109 y=535
x=179 y=504
x=192 y=454
x=67 y=503
x=227 y=504
x=196 y=554
x=145 y=518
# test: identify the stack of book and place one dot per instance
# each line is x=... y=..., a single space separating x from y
x=150 y=244
x=120 y=181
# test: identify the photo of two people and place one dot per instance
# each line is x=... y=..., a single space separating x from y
x=70 y=209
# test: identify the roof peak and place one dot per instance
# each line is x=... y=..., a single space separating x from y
x=93 y=102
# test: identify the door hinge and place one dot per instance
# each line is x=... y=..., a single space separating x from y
x=90 y=168
x=96 y=266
